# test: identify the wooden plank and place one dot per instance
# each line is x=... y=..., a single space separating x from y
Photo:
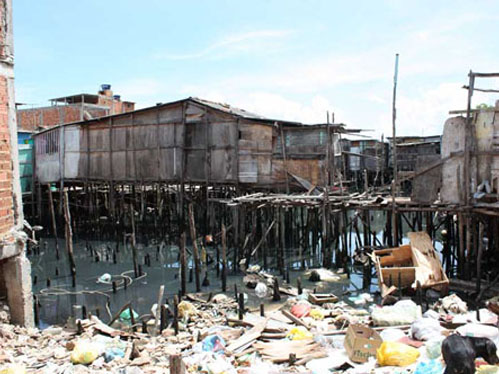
x=429 y=270
x=294 y=319
x=249 y=337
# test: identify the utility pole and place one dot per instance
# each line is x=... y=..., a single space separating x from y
x=394 y=153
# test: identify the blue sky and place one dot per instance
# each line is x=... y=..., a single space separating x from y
x=288 y=59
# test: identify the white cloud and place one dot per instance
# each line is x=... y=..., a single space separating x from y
x=435 y=57
x=237 y=43
x=424 y=113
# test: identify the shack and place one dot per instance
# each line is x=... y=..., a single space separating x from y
x=191 y=141
x=365 y=155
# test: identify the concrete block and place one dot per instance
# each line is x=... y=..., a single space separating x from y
x=17 y=278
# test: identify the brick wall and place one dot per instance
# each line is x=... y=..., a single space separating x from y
x=6 y=192
x=6 y=201
x=32 y=119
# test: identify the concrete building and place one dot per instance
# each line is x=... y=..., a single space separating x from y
x=484 y=163
x=62 y=110
x=15 y=268
x=72 y=108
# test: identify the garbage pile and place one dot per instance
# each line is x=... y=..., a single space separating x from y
x=307 y=333
x=4 y=312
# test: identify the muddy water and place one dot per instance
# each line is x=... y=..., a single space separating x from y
x=143 y=293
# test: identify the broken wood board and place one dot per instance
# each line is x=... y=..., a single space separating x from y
x=429 y=270
x=322 y=298
x=249 y=337
x=279 y=351
x=295 y=319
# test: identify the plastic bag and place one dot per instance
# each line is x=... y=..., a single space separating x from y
x=125 y=316
x=396 y=354
x=113 y=352
x=478 y=330
x=403 y=312
x=453 y=304
x=317 y=314
x=213 y=343
x=84 y=353
x=434 y=347
x=487 y=369
x=261 y=290
x=301 y=310
x=186 y=309
x=429 y=367
x=104 y=278
x=13 y=369
x=426 y=329
x=392 y=335
x=361 y=299
x=299 y=333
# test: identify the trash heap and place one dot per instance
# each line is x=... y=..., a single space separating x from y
x=307 y=333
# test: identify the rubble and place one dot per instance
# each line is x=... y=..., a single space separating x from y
x=303 y=334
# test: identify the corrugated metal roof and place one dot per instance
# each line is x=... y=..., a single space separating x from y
x=226 y=108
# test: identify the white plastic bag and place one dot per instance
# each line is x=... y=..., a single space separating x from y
x=426 y=329
x=403 y=312
x=392 y=335
x=261 y=290
x=478 y=330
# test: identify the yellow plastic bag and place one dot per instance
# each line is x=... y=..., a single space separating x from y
x=487 y=369
x=396 y=354
x=317 y=314
x=186 y=309
x=84 y=353
x=299 y=333
x=13 y=369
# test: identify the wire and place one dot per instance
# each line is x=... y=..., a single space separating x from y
x=60 y=291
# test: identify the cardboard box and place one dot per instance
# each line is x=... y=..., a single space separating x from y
x=361 y=342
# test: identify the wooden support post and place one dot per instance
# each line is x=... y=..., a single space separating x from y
x=195 y=250
x=389 y=236
x=262 y=310
x=224 y=259
x=36 y=312
x=69 y=239
x=479 y=258
x=176 y=364
x=183 y=266
x=133 y=243
x=277 y=294
x=460 y=260
x=469 y=236
x=52 y=216
x=159 y=303
x=175 y=314
x=164 y=318
x=132 y=318
x=282 y=242
x=241 y=306
x=284 y=158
